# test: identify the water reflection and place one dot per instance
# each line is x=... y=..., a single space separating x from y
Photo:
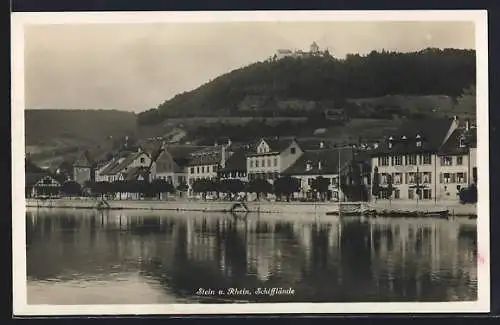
x=143 y=257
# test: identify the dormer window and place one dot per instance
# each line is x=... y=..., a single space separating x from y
x=404 y=137
x=419 y=141
x=308 y=166
x=462 y=142
x=390 y=142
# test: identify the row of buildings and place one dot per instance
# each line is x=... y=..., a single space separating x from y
x=437 y=155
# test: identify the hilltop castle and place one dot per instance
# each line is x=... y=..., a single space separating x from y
x=314 y=50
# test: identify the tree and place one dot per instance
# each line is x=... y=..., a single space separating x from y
x=286 y=185
x=258 y=186
x=320 y=185
x=182 y=187
x=376 y=183
x=101 y=188
x=71 y=188
x=468 y=195
x=231 y=186
x=158 y=186
x=204 y=186
x=390 y=188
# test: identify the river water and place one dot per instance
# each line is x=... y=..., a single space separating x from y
x=148 y=257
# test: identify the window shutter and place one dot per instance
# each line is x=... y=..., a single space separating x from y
x=441 y=178
x=465 y=177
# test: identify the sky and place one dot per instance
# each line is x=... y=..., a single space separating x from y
x=135 y=67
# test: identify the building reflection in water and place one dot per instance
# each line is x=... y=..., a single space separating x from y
x=326 y=259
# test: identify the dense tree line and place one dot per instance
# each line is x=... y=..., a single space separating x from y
x=430 y=71
x=283 y=187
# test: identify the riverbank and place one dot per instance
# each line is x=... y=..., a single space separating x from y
x=187 y=205
x=317 y=208
x=424 y=206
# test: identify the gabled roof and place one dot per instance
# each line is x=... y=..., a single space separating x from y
x=329 y=159
x=452 y=145
x=206 y=156
x=276 y=145
x=133 y=173
x=117 y=166
x=313 y=144
x=84 y=160
x=237 y=162
x=32 y=178
x=432 y=132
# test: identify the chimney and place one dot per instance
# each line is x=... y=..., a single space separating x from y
x=215 y=143
x=223 y=157
x=229 y=142
x=321 y=144
x=390 y=142
x=308 y=166
x=467 y=126
x=319 y=165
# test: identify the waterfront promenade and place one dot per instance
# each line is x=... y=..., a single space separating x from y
x=293 y=207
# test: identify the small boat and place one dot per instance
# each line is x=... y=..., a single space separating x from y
x=414 y=214
x=347 y=209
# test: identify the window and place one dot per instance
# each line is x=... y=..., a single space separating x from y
x=461 y=178
x=180 y=179
x=292 y=150
x=383 y=161
x=214 y=168
x=143 y=160
x=198 y=170
x=251 y=162
x=446 y=178
x=446 y=161
x=396 y=194
x=462 y=142
x=426 y=157
x=192 y=170
x=411 y=194
x=398 y=160
x=169 y=179
x=383 y=179
x=397 y=178
x=411 y=159
x=460 y=160
x=275 y=162
x=427 y=194
x=263 y=162
x=256 y=163
x=474 y=174
x=411 y=178
x=269 y=162
x=202 y=169
x=427 y=178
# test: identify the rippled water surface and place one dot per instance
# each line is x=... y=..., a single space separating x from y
x=144 y=257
